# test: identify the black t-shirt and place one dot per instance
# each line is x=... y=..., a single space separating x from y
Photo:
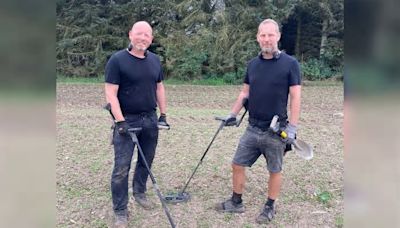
x=137 y=79
x=269 y=81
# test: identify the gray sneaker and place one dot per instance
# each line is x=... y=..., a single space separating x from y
x=229 y=206
x=266 y=215
x=141 y=199
x=121 y=221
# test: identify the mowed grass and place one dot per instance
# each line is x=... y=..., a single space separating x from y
x=312 y=191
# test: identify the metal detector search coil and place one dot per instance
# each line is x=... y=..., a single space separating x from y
x=181 y=197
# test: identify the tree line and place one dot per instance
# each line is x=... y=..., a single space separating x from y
x=200 y=39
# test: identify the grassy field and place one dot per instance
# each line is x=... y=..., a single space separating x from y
x=312 y=191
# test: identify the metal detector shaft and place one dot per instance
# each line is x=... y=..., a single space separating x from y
x=201 y=160
x=245 y=103
x=135 y=141
x=241 y=118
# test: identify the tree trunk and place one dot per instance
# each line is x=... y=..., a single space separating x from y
x=217 y=5
x=324 y=37
x=218 y=10
x=298 y=37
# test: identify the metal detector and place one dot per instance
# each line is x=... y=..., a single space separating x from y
x=183 y=196
x=132 y=133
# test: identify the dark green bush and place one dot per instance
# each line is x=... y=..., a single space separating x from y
x=315 y=69
x=189 y=67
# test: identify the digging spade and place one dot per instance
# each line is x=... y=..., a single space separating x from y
x=301 y=148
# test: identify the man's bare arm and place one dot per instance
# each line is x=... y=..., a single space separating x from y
x=238 y=103
x=295 y=95
x=161 y=98
x=111 y=91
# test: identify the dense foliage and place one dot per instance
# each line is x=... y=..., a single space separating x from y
x=199 y=39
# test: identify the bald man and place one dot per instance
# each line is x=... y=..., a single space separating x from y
x=134 y=88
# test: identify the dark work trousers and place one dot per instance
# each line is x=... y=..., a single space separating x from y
x=123 y=151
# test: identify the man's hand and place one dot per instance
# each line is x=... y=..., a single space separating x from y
x=290 y=131
x=230 y=120
x=162 y=121
x=122 y=127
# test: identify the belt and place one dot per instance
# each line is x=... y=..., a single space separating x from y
x=260 y=124
x=141 y=114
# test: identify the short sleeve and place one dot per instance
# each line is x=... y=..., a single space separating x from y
x=295 y=76
x=160 y=75
x=112 y=72
x=246 y=77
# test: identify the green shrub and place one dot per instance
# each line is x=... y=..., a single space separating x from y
x=234 y=77
x=189 y=66
x=315 y=69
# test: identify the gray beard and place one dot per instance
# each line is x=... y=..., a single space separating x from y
x=268 y=50
x=138 y=48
